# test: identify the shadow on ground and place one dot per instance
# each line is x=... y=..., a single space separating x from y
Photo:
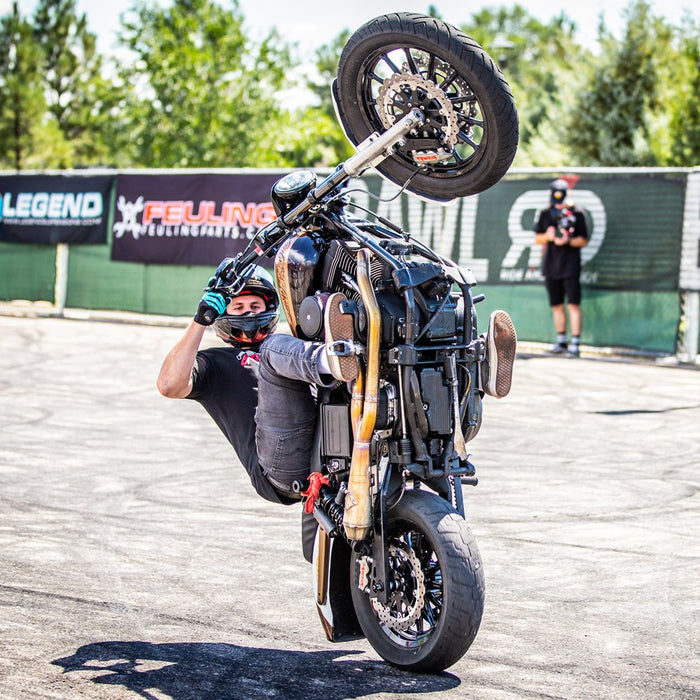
x=205 y=671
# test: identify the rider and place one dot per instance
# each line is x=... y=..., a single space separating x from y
x=259 y=389
x=271 y=430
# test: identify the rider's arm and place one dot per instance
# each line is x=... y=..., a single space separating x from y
x=175 y=378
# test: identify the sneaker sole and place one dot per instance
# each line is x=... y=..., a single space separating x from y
x=339 y=326
x=502 y=342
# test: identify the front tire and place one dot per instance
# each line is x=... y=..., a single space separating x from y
x=404 y=60
x=437 y=579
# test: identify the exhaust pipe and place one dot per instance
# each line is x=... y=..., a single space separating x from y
x=357 y=519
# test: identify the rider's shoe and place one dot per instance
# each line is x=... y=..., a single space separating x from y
x=501 y=341
x=558 y=349
x=340 y=345
x=573 y=351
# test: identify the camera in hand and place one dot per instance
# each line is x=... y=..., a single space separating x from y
x=566 y=223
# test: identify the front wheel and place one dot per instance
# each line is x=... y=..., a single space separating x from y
x=403 y=60
x=436 y=582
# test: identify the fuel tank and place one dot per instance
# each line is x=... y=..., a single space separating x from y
x=298 y=274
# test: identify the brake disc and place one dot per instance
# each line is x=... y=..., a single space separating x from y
x=404 y=91
x=399 y=620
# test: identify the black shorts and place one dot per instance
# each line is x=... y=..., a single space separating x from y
x=569 y=287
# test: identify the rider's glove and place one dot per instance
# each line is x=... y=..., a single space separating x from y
x=211 y=306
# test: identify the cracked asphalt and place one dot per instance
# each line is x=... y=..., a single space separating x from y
x=137 y=562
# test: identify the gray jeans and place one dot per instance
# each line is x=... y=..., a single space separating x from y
x=286 y=413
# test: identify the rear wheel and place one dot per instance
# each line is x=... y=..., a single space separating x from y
x=436 y=587
x=403 y=60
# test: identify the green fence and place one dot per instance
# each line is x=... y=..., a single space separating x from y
x=640 y=222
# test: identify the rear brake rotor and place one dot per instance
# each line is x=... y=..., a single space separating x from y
x=401 y=613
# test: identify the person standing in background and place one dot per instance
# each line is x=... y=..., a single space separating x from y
x=562 y=230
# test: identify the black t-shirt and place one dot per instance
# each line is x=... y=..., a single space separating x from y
x=225 y=383
x=561 y=261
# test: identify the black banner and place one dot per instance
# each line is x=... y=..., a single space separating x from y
x=54 y=208
x=190 y=219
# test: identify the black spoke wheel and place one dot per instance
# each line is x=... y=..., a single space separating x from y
x=436 y=587
x=401 y=61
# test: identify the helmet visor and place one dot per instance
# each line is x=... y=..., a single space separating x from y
x=246 y=329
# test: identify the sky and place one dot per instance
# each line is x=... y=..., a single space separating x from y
x=313 y=23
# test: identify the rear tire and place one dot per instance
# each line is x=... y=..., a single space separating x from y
x=404 y=60
x=433 y=614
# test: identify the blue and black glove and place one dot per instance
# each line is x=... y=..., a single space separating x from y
x=213 y=303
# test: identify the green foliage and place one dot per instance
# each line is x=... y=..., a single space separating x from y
x=22 y=104
x=78 y=95
x=307 y=138
x=684 y=122
x=190 y=89
x=611 y=120
x=326 y=66
x=640 y=107
x=206 y=96
x=544 y=67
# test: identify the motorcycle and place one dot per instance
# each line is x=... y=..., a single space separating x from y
x=384 y=525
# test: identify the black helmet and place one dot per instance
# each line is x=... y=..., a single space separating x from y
x=249 y=330
x=557 y=191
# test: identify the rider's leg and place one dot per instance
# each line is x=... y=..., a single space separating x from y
x=286 y=413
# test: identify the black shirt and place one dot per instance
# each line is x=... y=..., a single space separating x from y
x=225 y=383
x=561 y=261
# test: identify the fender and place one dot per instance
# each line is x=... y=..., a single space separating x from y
x=331 y=562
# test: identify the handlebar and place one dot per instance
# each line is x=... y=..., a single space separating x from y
x=374 y=149
x=209 y=316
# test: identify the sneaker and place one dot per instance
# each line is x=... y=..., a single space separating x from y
x=500 y=355
x=558 y=349
x=340 y=346
x=573 y=351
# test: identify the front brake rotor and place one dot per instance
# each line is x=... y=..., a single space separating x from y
x=405 y=91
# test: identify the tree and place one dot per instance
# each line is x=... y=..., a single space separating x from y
x=684 y=123
x=327 y=57
x=204 y=95
x=22 y=104
x=612 y=122
x=544 y=66
x=79 y=97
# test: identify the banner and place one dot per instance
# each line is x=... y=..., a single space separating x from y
x=635 y=227
x=189 y=219
x=54 y=208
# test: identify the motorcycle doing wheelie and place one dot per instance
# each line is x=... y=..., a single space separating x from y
x=394 y=559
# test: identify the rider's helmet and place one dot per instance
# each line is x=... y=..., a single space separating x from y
x=249 y=330
x=557 y=191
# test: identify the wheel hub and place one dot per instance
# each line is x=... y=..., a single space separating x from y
x=404 y=91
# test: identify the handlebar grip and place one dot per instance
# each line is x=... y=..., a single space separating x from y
x=209 y=316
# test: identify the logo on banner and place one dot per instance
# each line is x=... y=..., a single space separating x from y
x=181 y=218
x=129 y=211
x=52 y=208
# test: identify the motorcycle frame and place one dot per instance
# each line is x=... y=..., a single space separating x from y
x=268 y=241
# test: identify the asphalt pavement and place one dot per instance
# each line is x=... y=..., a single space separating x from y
x=137 y=562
